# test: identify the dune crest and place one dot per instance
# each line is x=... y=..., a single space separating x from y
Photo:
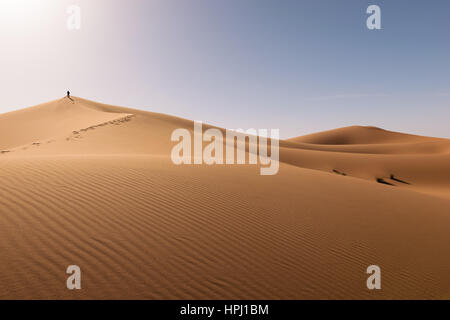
x=49 y=121
x=93 y=184
x=360 y=135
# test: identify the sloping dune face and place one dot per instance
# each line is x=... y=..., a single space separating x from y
x=93 y=185
x=403 y=160
x=86 y=127
x=49 y=121
x=359 y=135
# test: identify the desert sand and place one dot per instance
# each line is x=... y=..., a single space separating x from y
x=93 y=185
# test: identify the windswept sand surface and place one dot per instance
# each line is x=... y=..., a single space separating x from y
x=93 y=185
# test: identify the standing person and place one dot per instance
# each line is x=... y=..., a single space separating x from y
x=68 y=94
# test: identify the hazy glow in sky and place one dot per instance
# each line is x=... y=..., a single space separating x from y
x=301 y=66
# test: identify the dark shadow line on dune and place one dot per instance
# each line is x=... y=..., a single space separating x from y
x=380 y=180
x=398 y=180
x=338 y=172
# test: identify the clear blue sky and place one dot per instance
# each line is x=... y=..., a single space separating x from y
x=300 y=66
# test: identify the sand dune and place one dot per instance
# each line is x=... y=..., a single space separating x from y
x=49 y=121
x=93 y=185
x=373 y=153
x=360 y=135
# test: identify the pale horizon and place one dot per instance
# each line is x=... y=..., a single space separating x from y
x=302 y=67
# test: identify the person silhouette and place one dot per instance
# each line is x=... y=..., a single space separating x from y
x=68 y=94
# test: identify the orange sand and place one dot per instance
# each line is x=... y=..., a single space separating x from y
x=93 y=185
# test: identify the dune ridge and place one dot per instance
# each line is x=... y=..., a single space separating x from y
x=368 y=153
x=92 y=184
x=360 y=135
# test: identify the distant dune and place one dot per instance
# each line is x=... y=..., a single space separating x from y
x=93 y=185
x=360 y=135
